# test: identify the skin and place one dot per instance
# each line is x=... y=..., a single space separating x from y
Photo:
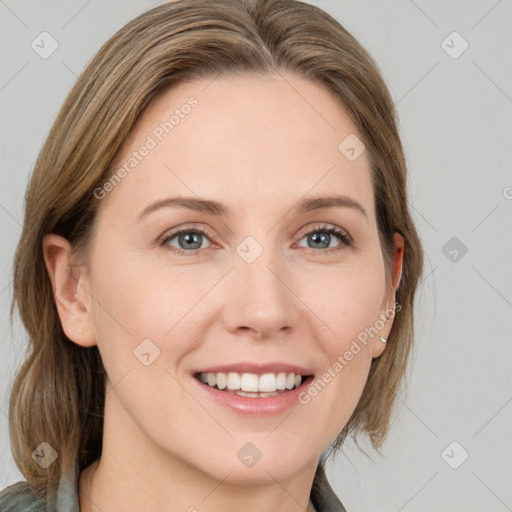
x=259 y=146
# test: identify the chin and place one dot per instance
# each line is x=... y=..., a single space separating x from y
x=250 y=466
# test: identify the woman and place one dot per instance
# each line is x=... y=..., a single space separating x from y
x=217 y=267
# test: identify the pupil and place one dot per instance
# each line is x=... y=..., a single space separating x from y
x=322 y=238
x=189 y=238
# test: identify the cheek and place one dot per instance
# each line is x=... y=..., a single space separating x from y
x=348 y=306
x=346 y=300
x=134 y=302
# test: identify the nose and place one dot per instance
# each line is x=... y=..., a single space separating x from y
x=260 y=299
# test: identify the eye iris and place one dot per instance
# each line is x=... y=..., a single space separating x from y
x=315 y=238
x=189 y=238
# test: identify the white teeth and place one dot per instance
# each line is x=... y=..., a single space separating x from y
x=255 y=395
x=249 y=382
x=281 y=381
x=222 y=381
x=266 y=384
x=233 y=380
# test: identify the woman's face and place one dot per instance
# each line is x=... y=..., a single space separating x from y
x=258 y=280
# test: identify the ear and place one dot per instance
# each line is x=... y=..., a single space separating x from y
x=387 y=312
x=70 y=290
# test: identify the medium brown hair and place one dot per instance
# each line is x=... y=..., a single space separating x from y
x=58 y=394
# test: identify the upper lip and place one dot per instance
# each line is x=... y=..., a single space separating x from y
x=259 y=369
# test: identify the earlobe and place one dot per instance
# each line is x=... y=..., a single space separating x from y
x=379 y=344
x=71 y=296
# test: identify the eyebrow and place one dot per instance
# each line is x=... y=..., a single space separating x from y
x=218 y=209
x=334 y=201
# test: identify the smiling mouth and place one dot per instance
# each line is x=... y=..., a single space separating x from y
x=251 y=384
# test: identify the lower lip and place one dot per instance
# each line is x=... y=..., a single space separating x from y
x=250 y=406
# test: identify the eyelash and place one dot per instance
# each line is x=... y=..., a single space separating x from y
x=344 y=238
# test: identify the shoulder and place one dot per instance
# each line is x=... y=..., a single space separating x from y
x=20 y=497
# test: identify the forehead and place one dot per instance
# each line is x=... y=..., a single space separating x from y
x=243 y=139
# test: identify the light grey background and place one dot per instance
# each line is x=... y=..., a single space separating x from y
x=456 y=124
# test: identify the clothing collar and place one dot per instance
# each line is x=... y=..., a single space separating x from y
x=322 y=495
x=66 y=499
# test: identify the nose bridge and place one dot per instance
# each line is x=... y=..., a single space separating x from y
x=259 y=297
